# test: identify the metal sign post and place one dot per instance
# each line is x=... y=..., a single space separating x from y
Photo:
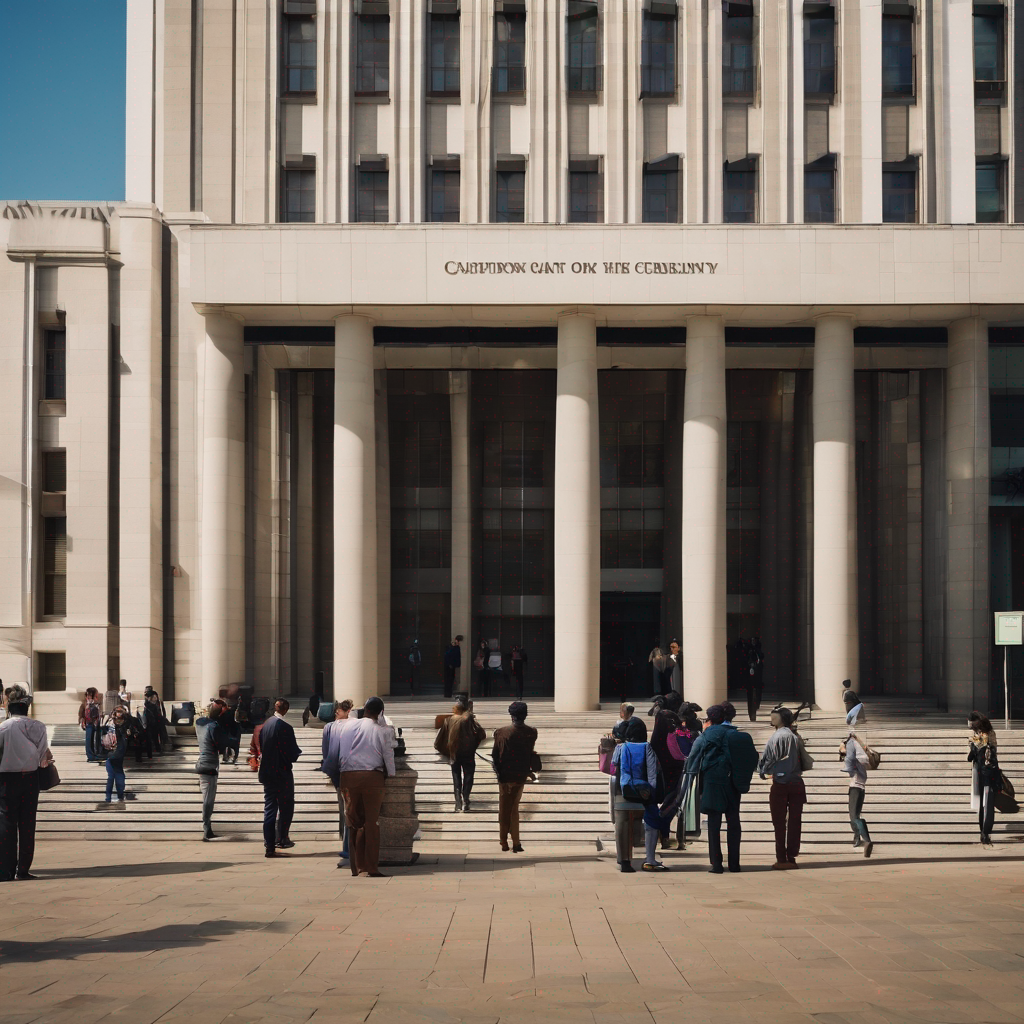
x=1008 y=633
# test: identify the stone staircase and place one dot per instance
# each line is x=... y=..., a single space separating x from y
x=919 y=795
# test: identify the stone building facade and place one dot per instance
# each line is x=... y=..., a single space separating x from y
x=554 y=324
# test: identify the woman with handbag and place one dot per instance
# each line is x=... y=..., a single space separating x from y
x=631 y=790
x=115 y=743
x=990 y=779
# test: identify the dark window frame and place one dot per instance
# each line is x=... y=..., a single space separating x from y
x=739 y=81
x=506 y=199
x=55 y=365
x=372 y=181
x=897 y=189
x=658 y=77
x=899 y=78
x=826 y=165
x=990 y=86
x=447 y=189
x=661 y=179
x=815 y=52
x=54 y=470
x=298 y=183
x=444 y=78
x=290 y=67
x=584 y=72
x=509 y=69
x=585 y=193
x=51 y=666
x=997 y=216
x=751 y=213
x=370 y=80
x=54 y=567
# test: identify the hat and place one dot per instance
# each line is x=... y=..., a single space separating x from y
x=517 y=709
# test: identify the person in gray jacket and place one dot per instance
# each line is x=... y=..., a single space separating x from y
x=213 y=742
x=781 y=759
x=855 y=764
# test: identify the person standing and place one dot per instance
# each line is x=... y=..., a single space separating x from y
x=23 y=751
x=115 y=742
x=415 y=660
x=636 y=774
x=855 y=764
x=671 y=762
x=781 y=760
x=514 y=761
x=754 y=679
x=90 y=717
x=973 y=720
x=156 y=720
x=517 y=661
x=212 y=741
x=452 y=662
x=457 y=740
x=342 y=712
x=990 y=778
x=672 y=676
x=362 y=756
x=726 y=758
x=278 y=752
x=656 y=659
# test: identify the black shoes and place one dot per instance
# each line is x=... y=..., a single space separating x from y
x=868 y=847
x=285 y=844
x=716 y=871
x=517 y=849
x=208 y=834
x=626 y=868
x=269 y=852
x=27 y=877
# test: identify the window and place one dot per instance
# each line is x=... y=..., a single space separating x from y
x=51 y=671
x=54 y=380
x=55 y=566
x=444 y=196
x=373 y=55
x=661 y=192
x=371 y=195
x=820 y=192
x=738 y=55
x=510 y=198
x=1007 y=420
x=897 y=56
x=586 y=193
x=820 y=55
x=510 y=52
x=658 y=56
x=990 y=207
x=584 y=71
x=989 y=52
x=899 y=193
x=444 y=54
x=298 y=196
x=55 y=471
x=299 y=73
x=740 y=199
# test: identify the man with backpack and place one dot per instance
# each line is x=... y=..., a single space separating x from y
x=725 y=759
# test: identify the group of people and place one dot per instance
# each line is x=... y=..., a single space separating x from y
x=490 y=664
x=111 y=729
x=688 y=769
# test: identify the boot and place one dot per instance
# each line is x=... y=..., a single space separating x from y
x=458 y=799
x=465 y=805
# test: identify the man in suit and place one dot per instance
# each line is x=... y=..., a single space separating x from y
x=279 y=752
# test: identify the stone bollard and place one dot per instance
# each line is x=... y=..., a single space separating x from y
x=398 y=820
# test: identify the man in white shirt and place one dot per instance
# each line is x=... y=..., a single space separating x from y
x=342 y=711
x=362 y=756
x=23 y=751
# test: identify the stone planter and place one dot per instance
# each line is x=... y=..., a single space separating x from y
x=398 y=820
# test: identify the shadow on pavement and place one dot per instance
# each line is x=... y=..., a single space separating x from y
x=129 y=871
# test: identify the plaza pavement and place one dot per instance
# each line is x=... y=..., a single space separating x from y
x=139 y=932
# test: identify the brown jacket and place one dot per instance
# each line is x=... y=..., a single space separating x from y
x=513 y=752
x=459 y=736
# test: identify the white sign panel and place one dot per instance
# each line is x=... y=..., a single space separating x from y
x=1008 y=629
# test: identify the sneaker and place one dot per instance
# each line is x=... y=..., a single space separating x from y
x=868 y=847
x=285 y=844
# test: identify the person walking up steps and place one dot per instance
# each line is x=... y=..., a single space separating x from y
x=457 y=740
x=855 y=764
x=514 y=760
x=212 y=742
x=342 y=713
x=278 y=752
x=115 y=743
x=782 y=760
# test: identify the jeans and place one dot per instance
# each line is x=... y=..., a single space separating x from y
x=115 y=774
x=987 y=810
x=463 y=773
x=651 y=836
x=733 y=835
x=208 y=787
x=857 y=823
x=786 y=801
x=278 y=809
x=364 y=795
x=92 y=742
x=19 y=800
x=509 y=795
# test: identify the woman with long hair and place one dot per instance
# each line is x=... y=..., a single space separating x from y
x=990 y=779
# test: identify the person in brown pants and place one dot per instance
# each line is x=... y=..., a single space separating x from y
x=362 y=758
x=514 y=761
x=781 y=758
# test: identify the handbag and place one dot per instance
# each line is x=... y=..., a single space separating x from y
x=48 y=777
x=806 y=761
x=1005 y=800
x=605 y=749
x=535 y=762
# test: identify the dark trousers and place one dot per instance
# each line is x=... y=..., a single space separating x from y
x=857 y=822
x=115 y=776
x=463 y=773
x=754 y=691
x=19 y=800
x=278 y=809
x=733 y=834
x=786 y=801
x=509 y=795
x=92 y=742
x=449 y=680
x=987 y=808
x=364 y=795
x=144 y=742
x=517 y=680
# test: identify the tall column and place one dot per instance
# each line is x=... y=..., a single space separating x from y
x=835 y=519
x=968 y=626
x=383 y=491
x=355 y=510
x=462 y=525
x=704 y=448
x=222 y=523
x=577 y=518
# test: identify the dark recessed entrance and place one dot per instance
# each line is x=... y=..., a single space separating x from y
x=629 y=625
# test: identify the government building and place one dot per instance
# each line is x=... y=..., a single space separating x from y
x=564 y=325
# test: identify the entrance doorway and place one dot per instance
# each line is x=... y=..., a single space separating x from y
x=629 y=624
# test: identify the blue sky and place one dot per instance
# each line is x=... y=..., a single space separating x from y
x=62 y=99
